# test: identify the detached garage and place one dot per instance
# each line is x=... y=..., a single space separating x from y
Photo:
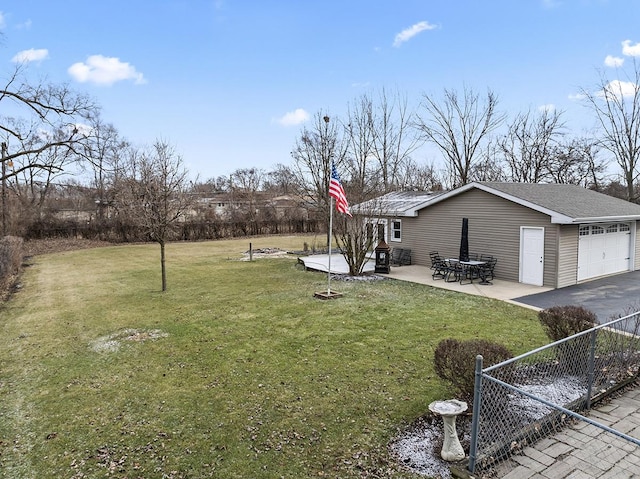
x=543 y=234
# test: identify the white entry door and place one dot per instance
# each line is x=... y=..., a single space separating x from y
x=531 y=255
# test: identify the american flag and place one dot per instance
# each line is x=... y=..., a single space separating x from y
x=337 y=191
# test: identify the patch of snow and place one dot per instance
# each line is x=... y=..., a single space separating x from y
x=561 y=391
x=415 y=451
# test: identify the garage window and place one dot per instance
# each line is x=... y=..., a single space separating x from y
x=584 y=230
x=624 y=227
x=597 y=230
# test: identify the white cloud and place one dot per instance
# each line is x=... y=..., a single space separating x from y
x=3 y=23
x=31 y=55
x=103 y=70
x=408 y=33
x=617 y=88
x=613 y=62
x=294 y=117
x=630 y=50
x=549 y=107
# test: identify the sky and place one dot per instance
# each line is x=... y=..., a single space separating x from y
x=232 y=83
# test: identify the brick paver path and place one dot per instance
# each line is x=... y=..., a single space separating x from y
x=584 y=451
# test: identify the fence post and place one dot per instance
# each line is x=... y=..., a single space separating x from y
x=250 y=252
x=591 y=368
x=477 y=402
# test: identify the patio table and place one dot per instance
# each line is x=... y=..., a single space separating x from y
x=470 y=268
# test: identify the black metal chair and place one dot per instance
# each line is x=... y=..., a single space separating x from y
x=440 y=268
x=434 y=258
x=486 y=270
x=405 y=257
x=455 y=272
x=396 y=255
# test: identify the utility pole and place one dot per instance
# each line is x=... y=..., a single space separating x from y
x=4 y=189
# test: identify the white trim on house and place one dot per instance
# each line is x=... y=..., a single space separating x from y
x=392 y=230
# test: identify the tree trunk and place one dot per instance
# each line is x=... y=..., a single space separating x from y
x=163 y=267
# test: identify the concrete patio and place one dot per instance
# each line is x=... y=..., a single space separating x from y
x=498 y=289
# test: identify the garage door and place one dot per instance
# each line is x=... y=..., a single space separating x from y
x=603 y=249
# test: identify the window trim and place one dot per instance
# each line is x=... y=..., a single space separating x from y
x=393 y=230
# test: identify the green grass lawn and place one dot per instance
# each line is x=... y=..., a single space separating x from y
x=250 y=377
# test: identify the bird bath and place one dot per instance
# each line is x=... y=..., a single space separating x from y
x=449 y=410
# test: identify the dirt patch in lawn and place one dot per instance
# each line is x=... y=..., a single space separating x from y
x=112 y=342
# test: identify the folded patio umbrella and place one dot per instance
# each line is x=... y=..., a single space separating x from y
x=464 y=241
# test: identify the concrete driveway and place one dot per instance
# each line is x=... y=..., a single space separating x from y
x=611 y=296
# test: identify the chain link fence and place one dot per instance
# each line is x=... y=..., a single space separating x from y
x=526 y=400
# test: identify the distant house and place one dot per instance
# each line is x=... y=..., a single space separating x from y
x=542 y=234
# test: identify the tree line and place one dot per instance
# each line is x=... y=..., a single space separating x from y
x=52 y=135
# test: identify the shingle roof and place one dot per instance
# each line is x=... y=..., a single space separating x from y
x=571 y=201
x=563 y=203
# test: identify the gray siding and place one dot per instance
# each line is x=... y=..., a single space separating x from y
x=568 y=255
x=494 y=228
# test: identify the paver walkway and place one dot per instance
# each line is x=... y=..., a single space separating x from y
x=584 y=451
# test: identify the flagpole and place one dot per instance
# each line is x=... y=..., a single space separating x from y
x=330 y=238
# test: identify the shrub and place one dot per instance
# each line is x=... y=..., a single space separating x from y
x=455 y=362
x=11 y=256
x=560 y=322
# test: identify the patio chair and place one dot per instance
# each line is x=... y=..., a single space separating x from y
x=396 y=255
x=455 y=272
x=440 y=268
x=405 y=257
x=486 y=271
x=434 y=258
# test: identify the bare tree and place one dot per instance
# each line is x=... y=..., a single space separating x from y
x=281 y=180
x=155 y=194
x=31 y=186
x=577 y=162
x=380 y=139
x=104 y=151
x=488 y=167
x=394 y=138
x=312 y=155
x=527 y=146
x=44 y=116
x=457 y=126
x=354 y=242
x=418 y=177
x=616 y=105
x=359 y=136
x=38 y=129
x=245 y=185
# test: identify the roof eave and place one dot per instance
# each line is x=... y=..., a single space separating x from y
x=595 y=219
